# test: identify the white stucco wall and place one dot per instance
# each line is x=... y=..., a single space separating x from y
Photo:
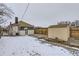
x=30 y=31
x=60 y=33
x=22 y=32
x=15 y=30
x=4 y=33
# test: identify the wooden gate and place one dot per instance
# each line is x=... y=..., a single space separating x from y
x=74 y=32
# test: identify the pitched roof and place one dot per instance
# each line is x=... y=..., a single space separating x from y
x=20 y=24
x=57 y=26
x=24 y=24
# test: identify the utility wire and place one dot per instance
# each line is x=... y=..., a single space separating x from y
x=25 y=10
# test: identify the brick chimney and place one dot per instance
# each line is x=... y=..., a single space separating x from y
x=16 y=20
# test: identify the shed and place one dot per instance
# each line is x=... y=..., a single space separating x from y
x=61 y=32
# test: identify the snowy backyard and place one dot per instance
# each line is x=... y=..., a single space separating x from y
x=29 y=46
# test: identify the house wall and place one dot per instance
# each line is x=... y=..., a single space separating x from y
x=10 y=30
x=60 y=33
x=30 y=32
x=5 y=33
x=15 y=30
x=22 y=32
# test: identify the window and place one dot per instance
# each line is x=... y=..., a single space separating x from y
x=21 y=28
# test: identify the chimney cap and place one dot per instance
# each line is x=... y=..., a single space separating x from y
x=16 y=20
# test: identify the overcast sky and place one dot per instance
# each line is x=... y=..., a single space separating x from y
x=45 y=14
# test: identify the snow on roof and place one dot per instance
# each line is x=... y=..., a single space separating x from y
x=21 y=24
x=57 y=26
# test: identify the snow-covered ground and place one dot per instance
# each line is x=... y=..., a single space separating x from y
x=29 y=46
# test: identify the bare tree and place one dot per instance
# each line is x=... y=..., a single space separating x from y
x=5 y=12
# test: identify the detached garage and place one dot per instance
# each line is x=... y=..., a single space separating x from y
x=61 y=32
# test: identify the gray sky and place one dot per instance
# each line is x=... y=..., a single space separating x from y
x=45 y=14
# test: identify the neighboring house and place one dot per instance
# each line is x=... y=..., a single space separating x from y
x=76 y=23
x=4 y=32
x=25 y=28
x=13 y=28
x=1 y=30
x=19 y=27
x=64 y=23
